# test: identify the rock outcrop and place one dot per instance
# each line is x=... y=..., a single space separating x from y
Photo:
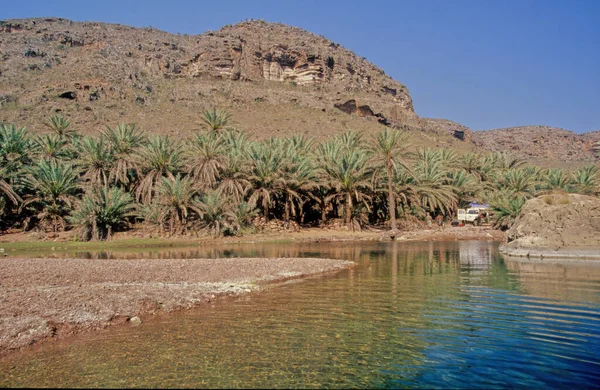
x=539 y=143
x=556 y=226
x=42 y=59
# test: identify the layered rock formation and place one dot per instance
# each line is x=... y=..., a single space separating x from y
x=44 y=58
x=556 y=226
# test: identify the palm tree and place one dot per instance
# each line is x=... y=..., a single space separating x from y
x=264 y=176
x=405 y=188
x=347 y=169
x=233 y=181
x=15 y=146
x=465 y=185
x=587 y=180
x=504 y=161
x=176 y=201
x=206 y=157
x=431 y=187
x=52 y=147
x=102 y=211
x=53 y=186
x=505 y=209
x=557 y=180
x=322 y=195
x=96 y=160
x=124 y=141
x=298 y=174
x=243 y=213
x=161 y=157
x=215 y=213
x=522 y=182
x=472 y=163
x=6 y=189
x=61 y=126
x=216 y=119
x=448 y=157
x=388 y=149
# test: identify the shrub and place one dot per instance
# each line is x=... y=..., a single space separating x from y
x=102 y=211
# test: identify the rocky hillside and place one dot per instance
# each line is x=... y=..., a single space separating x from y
x=274 y=79
x=98 y=73
x=541 y=144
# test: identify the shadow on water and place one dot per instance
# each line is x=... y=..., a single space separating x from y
x=433 y=314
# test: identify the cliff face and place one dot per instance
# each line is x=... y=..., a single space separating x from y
x=85 y=70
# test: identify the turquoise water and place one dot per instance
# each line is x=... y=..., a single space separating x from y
x=416 y=315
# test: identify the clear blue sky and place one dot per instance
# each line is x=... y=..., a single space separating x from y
x=483 y=63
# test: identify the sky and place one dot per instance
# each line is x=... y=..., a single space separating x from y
x=483 y=63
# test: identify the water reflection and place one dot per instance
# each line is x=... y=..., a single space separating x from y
x=439 y=314
x=569 y=280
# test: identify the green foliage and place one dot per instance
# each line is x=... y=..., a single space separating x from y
x=61 y=126
x=176 y=201
x=206 y=157
x=505 y=209
x=53 y=188
x=587 y=181
x=216 y=119
x=123 y=142
x=159 y=158
x=215 y=213
x=52 y=147
x=95 y=159
x=101 y=212
x=219 y=180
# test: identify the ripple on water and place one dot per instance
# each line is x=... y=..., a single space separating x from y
x=441 y=315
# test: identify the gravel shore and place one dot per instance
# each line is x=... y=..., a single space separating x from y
x=42 y=299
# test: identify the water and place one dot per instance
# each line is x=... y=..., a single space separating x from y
x=416 y=315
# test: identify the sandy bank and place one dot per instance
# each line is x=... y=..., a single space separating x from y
x=24 y=241
x=45 y=298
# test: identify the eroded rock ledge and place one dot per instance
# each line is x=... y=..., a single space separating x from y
x=45 y=298
x=556 y=226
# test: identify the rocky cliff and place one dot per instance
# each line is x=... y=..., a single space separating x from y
x=98 y=72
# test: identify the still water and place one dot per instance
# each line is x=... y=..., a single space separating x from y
x=416 y=315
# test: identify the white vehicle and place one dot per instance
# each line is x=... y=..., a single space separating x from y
x=475 y=214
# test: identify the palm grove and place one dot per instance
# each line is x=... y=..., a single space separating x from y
x=220 y=181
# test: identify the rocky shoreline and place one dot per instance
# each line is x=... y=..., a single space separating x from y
x=557 y=226
x=44 y=299
x=549 y=253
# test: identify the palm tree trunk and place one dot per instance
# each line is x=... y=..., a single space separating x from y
x=348 y=208
x=391 y=199
x=266 y=208
x=287 y=208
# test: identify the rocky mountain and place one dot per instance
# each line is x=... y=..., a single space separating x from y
x=274 y=79
x=92 y=71
x=543 y=145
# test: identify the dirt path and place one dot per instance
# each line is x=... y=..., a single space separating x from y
x=45 y=298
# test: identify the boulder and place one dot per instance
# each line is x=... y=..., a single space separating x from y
x=556 y=226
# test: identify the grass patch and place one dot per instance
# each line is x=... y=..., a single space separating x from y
x=556 y=199
x=138 y=243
